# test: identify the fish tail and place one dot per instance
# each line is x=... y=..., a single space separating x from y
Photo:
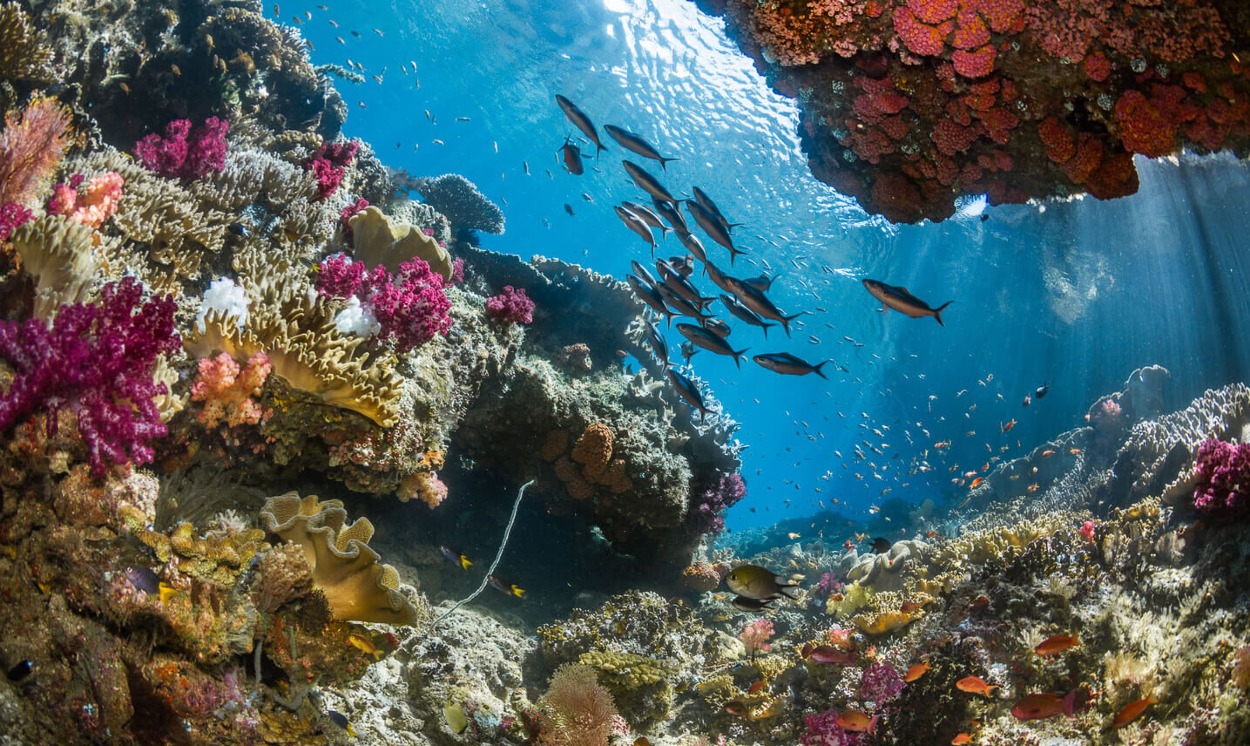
x=464 y=562
x=599 y=147
x=937 y=312
x=785 y=320
x=666 y=160
x=821 y=365
x=1069 y=702
x=518 y=592
x=766 y=327
x=788 y=591
x=738 y=356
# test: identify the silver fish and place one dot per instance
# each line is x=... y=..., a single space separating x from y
x=636 y=144
x=580 y=120
x=647 y=294
x=635 y=224
x=711 y=342
x=648 y=216
x=743 y=313
x=647 y=182
x=898 y=298
x=758 y=302
x=688 y=391
x=713 y=228
x=784 y=362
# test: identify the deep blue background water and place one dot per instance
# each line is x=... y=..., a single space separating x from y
x=1076 y=293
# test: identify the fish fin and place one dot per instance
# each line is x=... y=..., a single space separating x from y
x=821 y=365
x=788 y=591
x=518 y=592
x=666 y=160
x=785 y=320
x=937 y=312
x=766 y=327
x=738 y=356
x=465 y=563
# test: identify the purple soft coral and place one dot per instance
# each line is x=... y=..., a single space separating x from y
x=823 y=730
x=185 y=154
x=96 y=361
x=708 y=516
x=512 y=306
x=880 y=683
x=1223 y=471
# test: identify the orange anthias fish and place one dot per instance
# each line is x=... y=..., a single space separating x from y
x=1056 y=644
x=975 y=685
x=1008 y=425
x=916 y=672
x=976 y=483
x=856 y=721
x=1042 y=706
x=1132 y=711
x=1047 y=453
x=961 y=739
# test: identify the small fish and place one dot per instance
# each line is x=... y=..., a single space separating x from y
x=588 y=198
x=753 y=581
x=741 y=312
x=1057 y=644
x=901 y=300
x=504 y=587
x=635 y=144
x=1047 y=453
x=1129 y=713
x=342 y=722
x=580 y=120
x=915 y=672
x=525 y=166
x=881 y=545
x=976 y=483
x=365 y=645
x=568 y=208
x=856 y=721
x=1041 y=391
x=340 y=40
x=1008 y=425
x=572 y=157
x=21 y=670
x=647 y=183
x=827 y=654
x=144 y=579
x=687 y=351
x=975 y=685
x=756 y=687
x=1074 y=451
x=454 y=557
x=961 y=739
x=701 y=197
x=787 y=364
x=1027 y=400
x=1042 y=706
x=377 y=31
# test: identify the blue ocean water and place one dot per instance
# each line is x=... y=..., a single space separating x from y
x=1075 y=294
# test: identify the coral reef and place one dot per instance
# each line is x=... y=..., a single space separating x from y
x=906 y=105
x=463 y=205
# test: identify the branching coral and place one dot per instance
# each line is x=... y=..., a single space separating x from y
x=459 y=200
x=94 y=361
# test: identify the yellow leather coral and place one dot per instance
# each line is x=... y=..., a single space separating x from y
x=344 y=568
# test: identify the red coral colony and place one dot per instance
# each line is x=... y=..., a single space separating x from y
x=908 y=104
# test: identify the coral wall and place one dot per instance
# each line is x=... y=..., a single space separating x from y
x=908 y=104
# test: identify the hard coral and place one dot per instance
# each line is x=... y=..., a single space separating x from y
x=95 y=361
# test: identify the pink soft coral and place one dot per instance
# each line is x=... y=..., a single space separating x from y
x=512 y=306
x=91 y=205
x=227 y=389
x=1223 y=471
x=410 y=306
x=756 y=635
x=183 y=153
x=96 y=361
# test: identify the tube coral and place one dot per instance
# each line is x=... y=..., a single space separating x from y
x=96 y=361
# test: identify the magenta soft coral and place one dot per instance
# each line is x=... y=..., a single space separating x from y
x=329 y=164
x=823 y=730
x=184 y=154
x=1223 y=471
x=410 y=306
x=512 y=306
x=708 y=515
x=96 y=361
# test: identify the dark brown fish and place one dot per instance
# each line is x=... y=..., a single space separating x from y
x=580 y=120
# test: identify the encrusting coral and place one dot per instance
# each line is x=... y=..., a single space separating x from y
x=344 y=568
